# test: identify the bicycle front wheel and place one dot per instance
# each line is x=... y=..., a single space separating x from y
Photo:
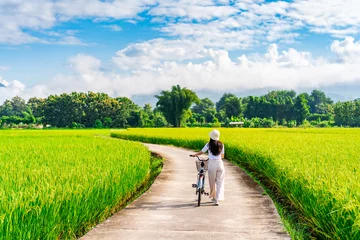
x=200 y=187
x=199 y=197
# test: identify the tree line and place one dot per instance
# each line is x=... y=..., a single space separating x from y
x=180 y=107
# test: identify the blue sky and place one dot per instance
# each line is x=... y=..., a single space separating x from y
x=137 y=48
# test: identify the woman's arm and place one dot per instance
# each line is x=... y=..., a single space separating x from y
x=205 y=148
x=196 y=154
x=223 y=152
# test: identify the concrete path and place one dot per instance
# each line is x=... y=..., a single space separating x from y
x=168 y=210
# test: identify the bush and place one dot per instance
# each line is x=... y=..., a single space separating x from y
x=324 y=124
x=75 y=125
x=248 y=124
x=108 y=122
x=268 y=123
x=319 y=117
x=98 y=124
x=291 y=124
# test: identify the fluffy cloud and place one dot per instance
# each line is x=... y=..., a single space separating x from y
x=193 y=10
x=223 y=24
x=117 y=9
x=248 y=23
x=290 y=69
x=287 y=69
x=113 y=27
x=347 y=50
x=147 y=55
x=18 y=15
x=36 y=15
x=330 y=15
x=16 y=88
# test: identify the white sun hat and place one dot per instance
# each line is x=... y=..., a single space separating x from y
x=214 y=135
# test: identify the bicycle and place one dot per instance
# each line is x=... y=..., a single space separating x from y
x=202 y=167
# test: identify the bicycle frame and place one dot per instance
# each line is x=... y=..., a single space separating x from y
x=200 y=186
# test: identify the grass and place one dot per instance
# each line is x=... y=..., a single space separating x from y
x=312 y=174
x=59 y=184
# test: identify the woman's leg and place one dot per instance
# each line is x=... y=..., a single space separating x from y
x=219 y=180
x=212 y=176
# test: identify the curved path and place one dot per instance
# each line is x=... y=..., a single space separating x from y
x=168 y=210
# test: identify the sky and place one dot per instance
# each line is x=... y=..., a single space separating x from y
x=138 y=48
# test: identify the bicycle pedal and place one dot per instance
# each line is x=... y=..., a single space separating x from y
x=194 y=185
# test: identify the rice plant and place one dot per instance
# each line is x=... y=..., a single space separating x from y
x=59 y=184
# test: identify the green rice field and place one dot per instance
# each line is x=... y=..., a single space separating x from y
x=314 y=171
x=58 y=184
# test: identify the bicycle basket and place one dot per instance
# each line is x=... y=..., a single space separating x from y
x=198 y=165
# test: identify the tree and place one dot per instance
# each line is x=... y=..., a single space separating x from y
x=202 y=106
x=221 y=103
x=346 y=112
x=136 y=119
x=124 y=113
x=37 y=106
x=85 y=108
x=6 y=109
x=175 y=104
x=318 y=102
x=205 y=109
x=148 y=115
x=230 y=104
x=64 y=109
x=19 y=105
x=159 y=120
x=252 y=107
x=14 y=107
x=301 y=108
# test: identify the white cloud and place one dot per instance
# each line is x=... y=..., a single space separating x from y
x=250 y=23
x=38 y=15
x=113 y=27
x=84 y=63
x=16 y=88
x=132 y=21
x=70 y=40
x=223 y=24
x=347 y=50
x=327 y=14
x=117 y=9
x=192 y=10
x=149 y=54
x=158 y=64
x=4 y=82
x=288 y=69
x=18 y=15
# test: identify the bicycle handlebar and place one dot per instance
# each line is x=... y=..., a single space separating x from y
x=203 y=160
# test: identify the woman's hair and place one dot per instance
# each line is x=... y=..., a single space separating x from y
x=215 y=147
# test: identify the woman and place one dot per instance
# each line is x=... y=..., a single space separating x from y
x=216 y=169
